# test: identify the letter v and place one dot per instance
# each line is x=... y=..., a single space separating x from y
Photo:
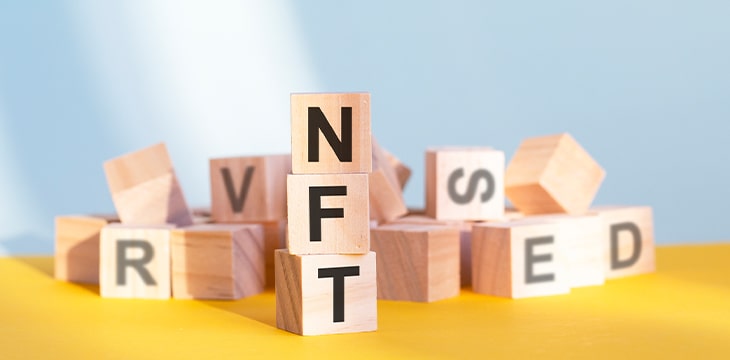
x=237 y=201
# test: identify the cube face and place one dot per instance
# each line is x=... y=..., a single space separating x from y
x=274 y=239
x=386 y=200
x=249 y=188
x=77 y=248
x=465 y=234
x=328 y=214
x=465 y=183
x=321 y=142
x=217 y=261
x=326 y=294
x=585 y=244
x=417 y=262
x=135 y=261
x=552 y=174
x=145 y=189
x=629 y=249
x=402 y=171
x=519 y=260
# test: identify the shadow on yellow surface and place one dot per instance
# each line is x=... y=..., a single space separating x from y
x=681 y=311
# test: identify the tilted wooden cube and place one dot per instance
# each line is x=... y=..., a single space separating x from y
x=331 y=133
x=135 y=261
x=328 y=214
x=326 y=294
x=552 y=174
x=465 y=183
x=629 y=249
x=145 y=189
x=417 y=262
x=217 y=261
x=402 y=171
x=249 y=188
x=77 y=248
x=519 y=259
x=386 y=193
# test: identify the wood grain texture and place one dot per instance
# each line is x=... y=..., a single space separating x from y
x=76 y=257
x=274 y=239
x=465 y=233
x=552 y=174
x=217 y=261
x=417 y=262
x=469 y=166
x=305 y=302
x=499 y=264
x=145 y=189
x=331 y=105
x=158 y=239
x=265 y=193
x=347 y=235
x=621 y=219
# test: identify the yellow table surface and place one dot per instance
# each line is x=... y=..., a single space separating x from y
x=681 y=311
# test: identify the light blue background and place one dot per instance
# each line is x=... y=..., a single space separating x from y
x=643 y=85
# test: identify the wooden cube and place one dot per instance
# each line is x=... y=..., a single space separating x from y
x=386 y=195
x=135 y=261
x=328 y=214
x=629 y=248
x=249 y=188
x=464 y=228
x=552 y=174
x=330 y=133
x=402 y=171
x=584 y=240
x=416 y=262
x=326 y=294
x=77 y=248
x=274 y=239
x=217 y=261
x=519 y=259
x=145 y=189
x=465 y=183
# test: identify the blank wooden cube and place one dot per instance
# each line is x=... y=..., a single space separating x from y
x=328 y=214
x=330 y=133
x=518 y=260
x=402 y=171
x=249 y=188
x=145 y=189
x=464 y=228
x=417 y=262
x=217 y=261
x=629 y=248
x=77 y=248
x=274 y=238
x=386 y=194
x=584 y=240
x=135 y=261
x=552 y=174
x=465 y=183
x=326 y=294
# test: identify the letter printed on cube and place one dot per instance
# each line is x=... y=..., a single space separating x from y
x=135 y=261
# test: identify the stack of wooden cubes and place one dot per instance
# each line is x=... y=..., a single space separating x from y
x=326 y=278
